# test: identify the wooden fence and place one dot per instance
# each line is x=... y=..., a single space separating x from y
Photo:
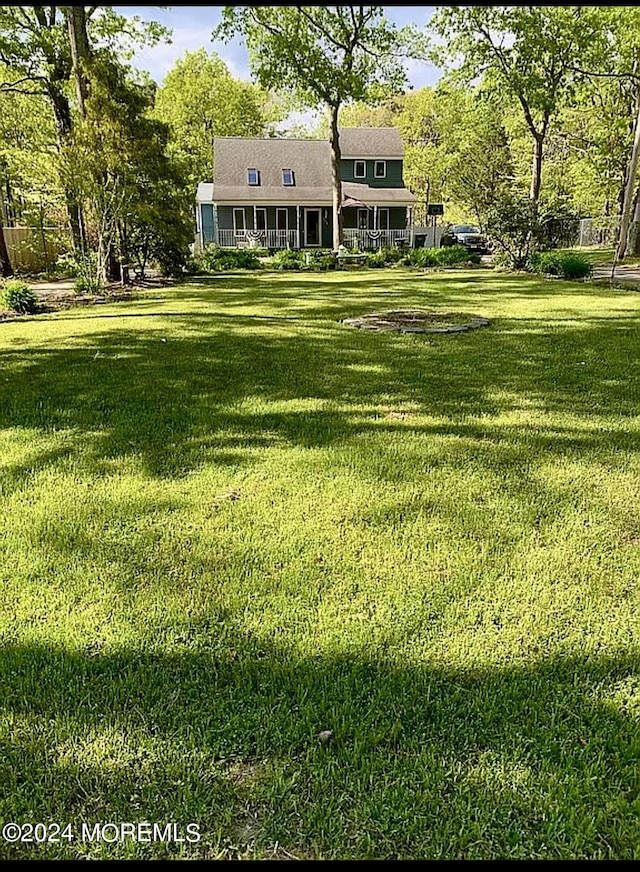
x=32 y=249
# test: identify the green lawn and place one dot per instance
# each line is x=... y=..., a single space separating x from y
x=229 y=522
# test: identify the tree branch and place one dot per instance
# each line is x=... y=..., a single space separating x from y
x=326 y=33
x=6 y=87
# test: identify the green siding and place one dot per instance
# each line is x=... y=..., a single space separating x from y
x=393 y=178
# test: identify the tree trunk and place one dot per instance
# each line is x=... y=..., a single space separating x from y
x=536 y=169
x=625 y=217
x=62 y=113
x=6 y=269
x=633 y=237
x=336 y=176
x=80 y=53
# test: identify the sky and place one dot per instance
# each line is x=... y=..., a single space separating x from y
x=192 y=26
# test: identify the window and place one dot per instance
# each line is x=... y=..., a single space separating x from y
x=282 y=219
x=363 y=219
x=238 y=220
x=261 y=219
x=253 y=176
x=359 y=169
x=287 y=177
x=383 y=219
x=380 y=170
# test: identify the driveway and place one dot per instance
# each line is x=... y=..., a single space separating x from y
x=624 y=272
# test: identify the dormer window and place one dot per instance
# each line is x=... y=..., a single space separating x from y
x=380 y=169
x=359 y=169
x=253 y=176
x=287 y=178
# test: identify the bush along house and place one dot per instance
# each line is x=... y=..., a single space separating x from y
x=276 y=193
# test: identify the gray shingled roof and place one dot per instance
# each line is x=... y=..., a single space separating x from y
x=371 y=142
x=310 y=161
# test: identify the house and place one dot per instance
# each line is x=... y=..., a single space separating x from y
x=277 y=193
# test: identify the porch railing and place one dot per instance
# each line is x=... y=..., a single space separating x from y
x=275 y=239
x=376 y=238
x=257 y=239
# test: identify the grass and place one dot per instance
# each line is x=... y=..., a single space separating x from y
x=228 y=522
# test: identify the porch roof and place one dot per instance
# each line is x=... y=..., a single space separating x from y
x=209 y=192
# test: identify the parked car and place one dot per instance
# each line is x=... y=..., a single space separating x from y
x=468 y=235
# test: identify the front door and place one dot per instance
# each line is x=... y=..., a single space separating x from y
x=312 y=228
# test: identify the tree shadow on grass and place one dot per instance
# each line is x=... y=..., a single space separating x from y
x=213 y=389
x=427 y=762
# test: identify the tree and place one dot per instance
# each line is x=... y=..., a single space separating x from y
x=530 y=53
x=138 y=203
x=325 y=55
x=30 y=191
x=199 y=99
x=80 y=52
x=35 y=45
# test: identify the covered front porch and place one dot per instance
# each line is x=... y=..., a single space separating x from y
x=303 y=226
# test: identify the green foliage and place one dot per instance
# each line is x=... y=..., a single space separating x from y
x=530 y=54
x=557 y=223
x=316 y=260
x=452 y=255
x=563 y=264
x=386 y=256
x=18 y=297
x=213 y=259
x=321 y=54
x=512 y=228
x=199 y=99
x=87 y=277
x=66 y=265
x=139 y=203
x=288 y=260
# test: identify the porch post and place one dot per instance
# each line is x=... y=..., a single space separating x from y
x=216 y=236
x=255 y=218
x=298 y=223
x=410 y=215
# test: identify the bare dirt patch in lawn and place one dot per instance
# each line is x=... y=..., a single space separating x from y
x=417 y=321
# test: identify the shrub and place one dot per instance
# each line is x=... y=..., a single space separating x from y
x=421 y=257
x=384 y=257
x=562 y=264
x=451 y=255
x=287 y=259
x=325 y=261
x=66 y=265
x=87 y=279
x=214 y=259
x=375 y=259
x=512 y=228
x=18 y=297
